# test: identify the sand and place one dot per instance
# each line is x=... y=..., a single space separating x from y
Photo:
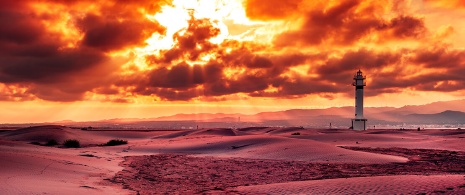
x=233 y=161
x=403 y=184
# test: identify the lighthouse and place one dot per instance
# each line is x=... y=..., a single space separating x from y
x=359 y=122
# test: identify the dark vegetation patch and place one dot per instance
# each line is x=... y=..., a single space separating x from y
x=87 y=155
x=115 y=142
x=51 y=142
x=71 y=143
x=386 y=132
x=330 y=131
x=177 y=173
x=251 y=128
x=88 y=187
x=240 y=146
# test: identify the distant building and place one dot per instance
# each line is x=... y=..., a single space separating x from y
x=359 y=122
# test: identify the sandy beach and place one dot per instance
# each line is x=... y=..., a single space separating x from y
x=256 y=160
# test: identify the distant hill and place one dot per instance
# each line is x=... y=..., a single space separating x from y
x=434 y=113
x=200 y=116
x=446 y=117
x=435 y=107
x=440 y=113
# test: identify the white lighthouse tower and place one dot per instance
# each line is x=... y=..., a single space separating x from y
x=359 y=122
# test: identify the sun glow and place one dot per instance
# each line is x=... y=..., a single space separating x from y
x=175 y=18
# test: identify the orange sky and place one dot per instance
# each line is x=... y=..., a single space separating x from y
x=82 y=60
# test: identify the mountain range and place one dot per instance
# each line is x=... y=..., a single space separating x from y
x=437 y=114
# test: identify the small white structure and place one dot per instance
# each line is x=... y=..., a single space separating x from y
x=359 y=122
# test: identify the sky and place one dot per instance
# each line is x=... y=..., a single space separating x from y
x=90 y=60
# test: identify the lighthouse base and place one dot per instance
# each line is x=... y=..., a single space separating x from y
x=359 y=124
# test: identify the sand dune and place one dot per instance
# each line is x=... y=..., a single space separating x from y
x=259 y=146
x=404 y=184
x=386 y=132
x=176 y=134
x=41 y=134
x=32 y=169
x=258 y=130
x=29 y=169
x=447 y=132
x=218 y=132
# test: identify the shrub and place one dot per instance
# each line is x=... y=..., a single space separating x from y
x=51 y=142
x=72 y=143
x=296 y=133
x=116 y=142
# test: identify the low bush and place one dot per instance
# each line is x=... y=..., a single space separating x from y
x=296 y=133
x=115 y=142
x=72 y=143
x=51 y=142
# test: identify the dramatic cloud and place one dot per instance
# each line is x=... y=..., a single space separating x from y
x=120 y=51
x=110 y=34
x=447 y=3
x=190 y=43
x=33 y=52
x=271 y=10
x=347 y=23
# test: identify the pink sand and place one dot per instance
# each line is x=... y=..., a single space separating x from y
x=31 y=169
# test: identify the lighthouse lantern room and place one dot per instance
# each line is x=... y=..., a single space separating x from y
x=359 y=122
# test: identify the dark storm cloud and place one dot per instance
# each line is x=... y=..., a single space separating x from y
x=336 y=69
x=32 y=54
x=184 y=76
x=108 y=33
x=167 y=94
x=14 y=27
x=119 y=24
x=347 y=23
x=298 y=86
x=436 y=70
x=247 y=83
x=320 y=25
x=245 y=57
x=51 y=68
x=402 y=27
x=439 y=58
